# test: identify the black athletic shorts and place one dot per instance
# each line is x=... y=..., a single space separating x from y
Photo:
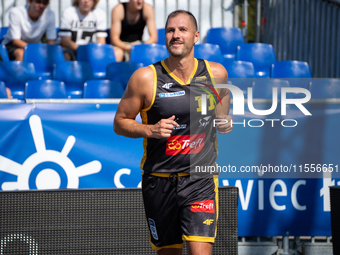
x=180 y=208
x=73 y=54
x=10 y=50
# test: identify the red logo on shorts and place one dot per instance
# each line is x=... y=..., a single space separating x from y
x=206 y=206
x=185 y=144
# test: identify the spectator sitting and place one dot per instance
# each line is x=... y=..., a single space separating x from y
x=78 y=25
x=28 y=24
x=128 y=22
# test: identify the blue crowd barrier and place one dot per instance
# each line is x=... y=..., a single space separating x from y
x=75 y=147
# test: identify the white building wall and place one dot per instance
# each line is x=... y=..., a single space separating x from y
x=209 y=13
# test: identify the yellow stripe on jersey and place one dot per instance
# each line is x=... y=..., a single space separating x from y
x=145 y=140
x=176 y=78
x=216 y=144
x=216 y=200
x=144 y=115
x=213 y=82
x=154 y=88
x=210 y=72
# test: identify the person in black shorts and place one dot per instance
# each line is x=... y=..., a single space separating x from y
x=128 y=22
x=31 y=23
x=177 y=137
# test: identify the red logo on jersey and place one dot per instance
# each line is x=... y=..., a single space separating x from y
x=206 y=206
x=185 y=144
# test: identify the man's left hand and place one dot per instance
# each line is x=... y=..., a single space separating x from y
x=224 y=127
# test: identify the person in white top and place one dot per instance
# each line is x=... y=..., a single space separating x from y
x=28 y=24
x=78 y=26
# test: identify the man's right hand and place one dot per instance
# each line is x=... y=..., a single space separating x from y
x=163 y=128
x=128 y=47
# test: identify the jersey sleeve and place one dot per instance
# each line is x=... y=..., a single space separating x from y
x=65 y=24
x=51 y=33
x=14 y=28
x=101 y=23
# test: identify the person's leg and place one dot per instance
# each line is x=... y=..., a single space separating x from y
x=199 y=213
x=170 y=251
x=19 y=54
x=67 y=56
x=199 y=248
x=162 y=214
x=128 y=53
x=9 y=94
x=119 y=54
x=13 y=52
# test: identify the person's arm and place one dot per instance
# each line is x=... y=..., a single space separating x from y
x=138 y=96
x=222 y=110
x=65 y=30
x=149 y=16
x=101 y=33
x=19 y=43
x=51 y=33
x=117 y=15
x=101 y=40
x=14 y=29
x=68 y=43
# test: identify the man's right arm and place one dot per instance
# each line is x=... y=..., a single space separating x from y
x=138 y=96
x=19 y=43
x=65 y=29
x=149 y=15
x=68 y=43
x=51 y=34
x=117 y=16
x=15 y=29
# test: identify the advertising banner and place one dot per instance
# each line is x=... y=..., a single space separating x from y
x=280 y=171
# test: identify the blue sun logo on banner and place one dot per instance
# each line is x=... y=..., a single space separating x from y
x=46 y=169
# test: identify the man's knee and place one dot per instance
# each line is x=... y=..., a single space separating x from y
x=19 y=54
x=169 y=251
x=119 y=54
x=199 y=248
x=67 y=56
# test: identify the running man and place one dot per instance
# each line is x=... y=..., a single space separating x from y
x=177 y=206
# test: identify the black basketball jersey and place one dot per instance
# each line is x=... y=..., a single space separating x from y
x=193 y=143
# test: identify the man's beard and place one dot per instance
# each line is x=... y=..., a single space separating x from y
x=176 y=53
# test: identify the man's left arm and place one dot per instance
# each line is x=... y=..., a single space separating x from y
x=149 y=16
x=101 y=27
x=222 y=110
x=51 y=33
